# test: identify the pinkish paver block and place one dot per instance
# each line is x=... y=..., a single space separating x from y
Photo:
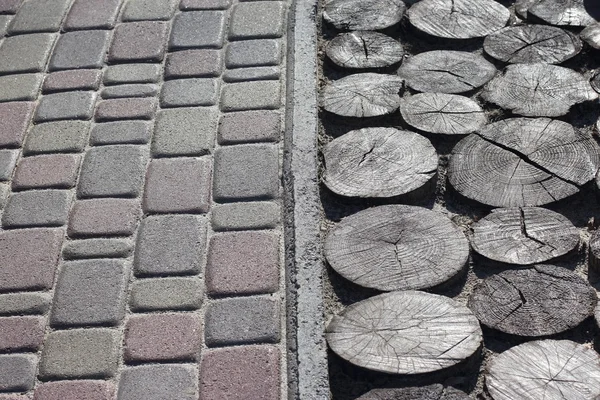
x=21 y=333
x=14 y=118
x=249 y=127
x=104 y=217
x=47 y=171
x=77 y=79
x=129 y=108
x=75 y=390
x=14 y=397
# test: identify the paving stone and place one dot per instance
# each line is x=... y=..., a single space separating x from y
x=131 y=108
x=193 y=63
x=92 y=14
x=243 y=263
x=161 y=294
x=80 y=49
x=240 y=373
x=21 y=333
x=251 y=53
x=246 y=215
x=159 y=382
x=60 y=136
x=135 y=41
x=162 y=337
x=133 y=90
x=8 y=159
x=249 y=172
x=14 y=397
x=121 y=132
x=80 y=353
x=251 y=74
x=14 y=119
x=189 y=92
x=178 y=186
x=39 y=16
x=24 y=303
x=140 y=10
x=4 y=22
x=90 y=292
x=132 y=73
x=9 y=6
x=104 y=217
x=257 y=19
x=251 y=96
x=66 y=105
x=170 y=245
x=97 y=248
x=198 y=29
x=37 y=208
x=25 y=53
x=250 y=126
x=184 y=131
x=204 y=4
x=113 y=171
x=20 y=87
x=4 y=192
x=75 y=390
x=17 y=372
x=47 y=171
x=80 y=79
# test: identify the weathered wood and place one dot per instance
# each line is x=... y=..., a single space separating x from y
x=545 y=369
x=362 y=95
x=349 y=15
x=430 y=392
x=523 y=162
x=541 y=301
x=364 y=49
x=595 y=82
x=524 y=235
x=405 y=332
x=379 y=162
x=532 y=44
x=566 y=12
x=591 y=35
x=458 y=19
x=521 y=7
x=447 y=114
x=594 y=252
x=446 y=71
x=397 y=247
x=538 y=90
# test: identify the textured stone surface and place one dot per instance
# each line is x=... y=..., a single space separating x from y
x=40 y=16
x=37 y=208
x=89 y=292
x=121 y=132
x=21 y=333
x=4 y=192
x=251 y=95
x=25 y=303
x=132 y=108
x=132 y=90
x=251 y=74
x=47 y=171
x=246 y=215
x=249 y=53
x=92 y=14
x=132 y=73
x=80 y=49
x=159 y=382
x=17 y=372
x=104 y=217
x=198 y=29
x=257 y=19
x=66 y=105
x=72 y=80
x=4 y=22
x=9 y=6
x=204 y=4
x=193 y=63
x=184 y=131
x=14 y=119
x=139 y=10
x=20 y=87
x=25 y=53
x=189 y=92
x=249 y=126
x=161 y=294
x=8 y=159
x=60 y=136
x=97 y=248
x=75 y=390
x=136 y=41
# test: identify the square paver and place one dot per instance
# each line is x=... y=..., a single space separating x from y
x=132 y=73
x=189 y=92
x=8 y=160
x=59 y=136
x=159 y=382
x=25 y=53
x=251 y=96
x=131 y=108
x=193 y=63
x=75 y=390
x=135 y=41
x=92 y=14
x=195 y=29
x=81 y=79
x=257 y=19
x=245 y=215
x=140 y=10
x=14 y=120
x=97 y=248
x=17 y=372
x=163 y=294
x=37 y=208
x=250 y=126
x=24 y=303
x=66 y=105
x=47 y=171
x=21 y=333
x=121 y=132
x=40 y=16
x=20 y=87
x=9 y=6
x=184 y=131
x=250 y=53
x=80 y=49
x=104 y=217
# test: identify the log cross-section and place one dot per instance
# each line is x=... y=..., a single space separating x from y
x=429 y=392
x=566 y=12
x=363 y=14
x=364 y=49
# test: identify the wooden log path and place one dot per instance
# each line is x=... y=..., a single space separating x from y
x=363 y=14
x=591 y=35
x=364 y=49
x=566 y=12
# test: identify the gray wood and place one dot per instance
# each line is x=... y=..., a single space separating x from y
x=405 y=332
x=397 y=247
x=363 y=14
x=566 y=12
x=591 y=35
x=458 y=19
x=545 y=369
x=540 y=301
x=532 y=44
x=430 y=392
x=523 y=162
x=521 y=7
x=524 y=235
x=446 y=71
x=362 y=95
x=379 y=162
x=446 y=114
x=538 y=90
x=594 y=251
x=595 y=82
x=364 y=49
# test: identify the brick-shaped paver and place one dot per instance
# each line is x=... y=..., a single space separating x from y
x=195 y=29
x=243 y=263
x=257 y=19
x=20 y=87
x=193 y=63
x=82 y=79
x=249 y=53
x=8 y=160
x=121 y=132
x=240 y=373
x=104 y=217
x=250 y=126
x=59 y=136
x=184 y=131
x=17 y=372
x=162 y=294
x=135 y=41
x=97 y=248
x=40 y=16
x=113 y=171
x=4 y=192
x=245 y=215
x=149 y=10
x=66 y=105
x=25 y=303
x=246 y=172
x=25 y=53
x=80 y=353
x=251 y=74
x=178 y=186
x=162 y=337
x=204 y=4
x=159 y=382
x=132 y=73
x=170 y=245
x=75 y=390
x=189 y=92
x=37 y=208
x=132 y=108
x=4 y=22
x=251 y=95
x=80 y=49
x=9 y=6
x=92 y=14
x=47 y=171
x=89 y=292
x=131 y=90
x=14 y=397
x=21 y=333
x=14 y=119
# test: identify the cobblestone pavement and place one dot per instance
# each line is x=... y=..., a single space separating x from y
x=141 y=250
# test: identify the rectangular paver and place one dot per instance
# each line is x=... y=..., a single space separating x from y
x=104 y=217
x=97 y=248
x=257 y=19
x=130 y=108
x=159 y=382
x=25 y=53
x=65 y=105
x=251 y=96
x=75 y=390
x=135 y=41
x=245 y=215
x=250 y=126
x=59 y=136
x=14 y=119
x=131 y=90
x=204 y=4
x=21 y=333
x=121 y=132
x=194 y=63
x=251 y=74
x=195 y=29
x=132 y=73
x=24 y=303
x=8 y=160
x=9 y=6
x=47 y=171
x=184 y=131
x=40 y=16
x=162 y=294
x=251 y=53
x=92 y=14
x=82 y=79
x=140 y=10
x=20 y=87
x=80 y=49
x=189 y=92
x=37 y=208
x=17 y=372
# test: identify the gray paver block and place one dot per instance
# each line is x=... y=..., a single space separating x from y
x=113 y=171
x=92 y=14
x=4 y=22
x=4 y=191
x=25 y=53
x=75 y=390
x=162 y=294
x=132 y=90
x=198 y=29
x=66 y=105
x=47 y=171
x=37 y=208
x=159 y=382
x=104 y=217
x=80 y=49
x=251 y=74
x=8 y=160
x=132 y=73
x=193 y=63
x=97 y=248
x=204 y=4
x=170 y=245
x=246 y=215
x=9 y=6
x=40 y=16
x=251 y=96
x=140 y=10
x=21 y=333
x=17 y=372
x=24 y=303
x=121 y=132
x=129 y=108
x=250 y=53
x=81 y=79
x=60 y=136
x=135 y=41
x=257 y=19
x=184 y=131
x=14 y=119
x=20 y=87
x=89 y=292
x=80 y=353
x=179 y=185
x=189 y=92
x=250 y=126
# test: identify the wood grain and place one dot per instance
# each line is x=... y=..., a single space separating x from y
x=364 y=49
x=430 y=392
x=349 y=15
x=594 y=251
x=566 y=12
x=591 y=35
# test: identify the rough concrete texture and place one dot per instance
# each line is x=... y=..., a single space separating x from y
x=166 y=294
x=35 y=208
x=159 y=382
x=103 y=217
x=20 y=87
x=97 y=248
x=75 y=390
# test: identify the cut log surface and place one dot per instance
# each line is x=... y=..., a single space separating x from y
x=591 y=35
x=523 y=162
x=446 y=114
x=521 y=7
x=431 y=392
x=363 y=95
x=545 y=369
x=379 y=162
x=566 y=12
x=532 y=44
x=364 y=15
x=364 y=49
x=524 y=235
x=538 y=90
x=458 y=19
x=595 y=82
x=594 y=250
x=541 y=301
x=397 y=247
x=405 y=332
x=446 y=71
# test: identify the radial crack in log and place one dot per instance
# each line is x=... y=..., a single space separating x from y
x=364 y=49
x=363 y=14
x=566 y=12
x=430 y=392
